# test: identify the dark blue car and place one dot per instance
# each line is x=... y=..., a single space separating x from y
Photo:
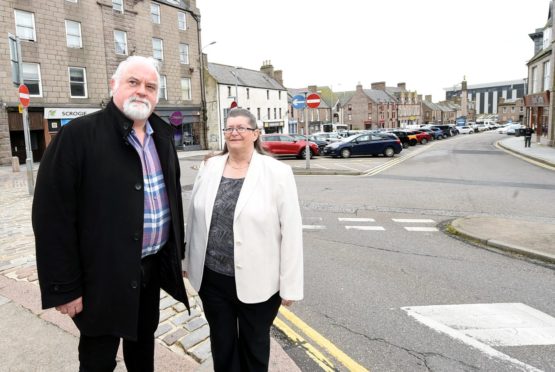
x=364 y=144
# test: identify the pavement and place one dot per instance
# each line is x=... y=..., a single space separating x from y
x=32 y=339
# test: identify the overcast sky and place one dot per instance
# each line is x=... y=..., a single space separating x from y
x=428 y=44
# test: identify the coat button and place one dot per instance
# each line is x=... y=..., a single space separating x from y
x=238 y=242
x=56 y=288
x=138 y=186
x=136 y=236
x=134 y=284
x=238 y=266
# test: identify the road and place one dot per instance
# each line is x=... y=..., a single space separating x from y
x=379 y=268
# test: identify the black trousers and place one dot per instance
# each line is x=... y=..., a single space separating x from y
x=527 y=141
x=239 y=332
x=98 y=354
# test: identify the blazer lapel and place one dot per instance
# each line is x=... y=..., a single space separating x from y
x=251 y=181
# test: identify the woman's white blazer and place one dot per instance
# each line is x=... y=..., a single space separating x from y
x=267 y=229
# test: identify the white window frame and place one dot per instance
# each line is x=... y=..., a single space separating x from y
x=186 y=91
x=72 y=1
x=68 y=35
x=125 y=51
x=155 y=13
x=184 y=53
x=182 y=21
x=156 y=50
x=19 y=25
x=117 y=5
x=162 y=91
x=84 y=81
x=39 y=77
x=535 y=87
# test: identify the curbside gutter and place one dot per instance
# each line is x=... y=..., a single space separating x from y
x=508 y=247
x=525 y=155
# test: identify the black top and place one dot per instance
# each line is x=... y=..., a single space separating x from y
x=219 y=252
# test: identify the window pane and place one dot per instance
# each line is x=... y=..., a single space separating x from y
x=117 y=5
x=31 y=78
x=73 y=34
x=186 y=89
x=184 y=53
x=162 y=89
x=157 y=49
x=120 y=40
x=155 y=13
x=24 y=25
x=181 y=21
x=77 y=82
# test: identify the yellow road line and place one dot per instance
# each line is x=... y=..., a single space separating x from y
x=517 y=154
x=311 y=351
x=322 y=341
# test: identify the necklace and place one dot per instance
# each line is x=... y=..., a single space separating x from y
x=246 y=166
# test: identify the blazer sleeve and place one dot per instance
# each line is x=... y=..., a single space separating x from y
x=54 y=219
x=291 y=254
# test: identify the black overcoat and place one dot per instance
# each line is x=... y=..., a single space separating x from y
x=88 y=221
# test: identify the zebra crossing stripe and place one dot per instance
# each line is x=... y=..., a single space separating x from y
x=421 y=229
x=346 y=219
x=413 y=220
x=314 y=227
x=366 y=228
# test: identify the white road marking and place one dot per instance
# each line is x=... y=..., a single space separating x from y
x=366 y=228
x=413 y=220
x=314 y=227
x=482 y=326
x=344 y=166
x=345 y=219
x=420 y=228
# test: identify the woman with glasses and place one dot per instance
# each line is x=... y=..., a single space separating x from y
x=244 y=245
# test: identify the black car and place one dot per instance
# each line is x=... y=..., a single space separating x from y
x=320 y=142
x=403 y=137
x=448 y=130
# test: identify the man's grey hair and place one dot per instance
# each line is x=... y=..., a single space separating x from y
x=134 y=59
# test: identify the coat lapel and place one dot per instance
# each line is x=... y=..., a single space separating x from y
x=251 y=181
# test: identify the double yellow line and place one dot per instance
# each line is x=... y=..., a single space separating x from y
x=313 y=352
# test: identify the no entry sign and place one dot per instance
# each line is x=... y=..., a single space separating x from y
x=313 y=100
x=24 y=98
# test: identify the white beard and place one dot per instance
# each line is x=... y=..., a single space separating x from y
x=136 y=108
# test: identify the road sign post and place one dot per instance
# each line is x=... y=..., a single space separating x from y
x=312 y=101
x=24 y=99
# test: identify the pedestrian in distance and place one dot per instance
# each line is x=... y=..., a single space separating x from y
x=108 y=222
x=527 y=136
x=244 y=245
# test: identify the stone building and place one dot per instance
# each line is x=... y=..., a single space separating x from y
x=70 y=49
x=510 y=110
x=370 y=108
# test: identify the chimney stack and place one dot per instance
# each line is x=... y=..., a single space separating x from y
x=267 y=68
x=278 y=75
x=402 y=86
x=378 y=85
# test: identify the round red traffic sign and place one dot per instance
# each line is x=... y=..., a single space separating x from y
x=24 y=98
x=313 y=100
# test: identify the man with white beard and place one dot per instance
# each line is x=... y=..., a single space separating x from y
x=108 y=222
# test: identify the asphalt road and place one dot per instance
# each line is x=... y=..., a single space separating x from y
x=379 y=270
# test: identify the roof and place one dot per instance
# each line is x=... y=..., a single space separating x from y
x=224 y=74
x=431 y=105
x=379 y=95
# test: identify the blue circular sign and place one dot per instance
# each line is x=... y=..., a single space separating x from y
x=299 y=102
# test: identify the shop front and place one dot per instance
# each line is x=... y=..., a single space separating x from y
x=188 y=133
x=57 y=117
x=537 y=114
x=273 y=126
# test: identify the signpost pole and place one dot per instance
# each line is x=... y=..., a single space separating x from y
x=26 y=131
x=307 y=148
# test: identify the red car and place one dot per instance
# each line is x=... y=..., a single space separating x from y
x=282 y=144
x=422 y=137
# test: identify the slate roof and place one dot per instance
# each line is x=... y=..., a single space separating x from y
x=223 y=74
x=377 y=95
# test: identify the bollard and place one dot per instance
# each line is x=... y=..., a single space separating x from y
x=15 y=164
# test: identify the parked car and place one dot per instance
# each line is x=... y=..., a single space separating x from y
x=435 y=133
x=511 y=129
x=319 y=141
x=283 y=144
x=421 y=136
x=448 y=130
x=328 y=136
x=405 y=141
x=364 y=144
x=465 y=130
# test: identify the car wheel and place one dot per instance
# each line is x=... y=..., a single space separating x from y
x=346 y=153
x=413 y=142
x=424 y=141
x=389 y=152
x=302 y=154
x=405 y=145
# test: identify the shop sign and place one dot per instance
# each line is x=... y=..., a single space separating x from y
x=537 y=100
x=67 y=113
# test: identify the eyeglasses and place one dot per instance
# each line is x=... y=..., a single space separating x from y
x=240 y=130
